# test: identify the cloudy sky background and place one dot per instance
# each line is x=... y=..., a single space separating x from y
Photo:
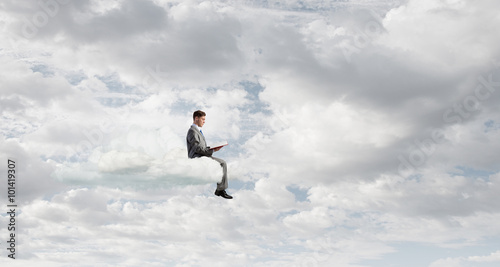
x=361 y=133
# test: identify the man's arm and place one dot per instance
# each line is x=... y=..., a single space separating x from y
x=195 y=140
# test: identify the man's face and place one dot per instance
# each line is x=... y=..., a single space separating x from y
x=199 y=121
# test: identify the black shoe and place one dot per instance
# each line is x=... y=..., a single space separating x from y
x=222 y=193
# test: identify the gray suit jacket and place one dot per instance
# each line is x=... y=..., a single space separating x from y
x=196 y=144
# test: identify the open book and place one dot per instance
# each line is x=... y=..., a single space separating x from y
x=219 y=144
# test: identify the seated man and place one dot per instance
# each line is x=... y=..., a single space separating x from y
x=197 y=147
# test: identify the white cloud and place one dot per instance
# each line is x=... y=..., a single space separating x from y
x=116 y=162
x=452 y=262
x=468 y=261
x=493 y=257
x=324 y=143
x=98 y=97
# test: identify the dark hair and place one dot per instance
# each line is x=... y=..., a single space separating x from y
x=198 y=113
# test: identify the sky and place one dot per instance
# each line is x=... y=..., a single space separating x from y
x=361 y=133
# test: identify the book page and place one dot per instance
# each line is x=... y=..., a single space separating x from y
x=219 y=144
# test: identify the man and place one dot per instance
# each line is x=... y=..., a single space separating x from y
x=197 y=147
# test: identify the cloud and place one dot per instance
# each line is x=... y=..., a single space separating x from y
x=493 y=257
x=468 y=261
x=339 y=142
x=138 y=169
x=116 y=162
x=356 y=131
x=441 y=38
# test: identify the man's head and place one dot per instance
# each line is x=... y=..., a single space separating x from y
x=199 y=118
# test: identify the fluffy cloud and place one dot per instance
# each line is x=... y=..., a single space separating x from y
x=467 y=261
x=355 y=130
